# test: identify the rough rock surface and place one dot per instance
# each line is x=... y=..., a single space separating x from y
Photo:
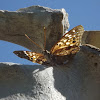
x=78 y=80
x=31 y=21
x=26 y=82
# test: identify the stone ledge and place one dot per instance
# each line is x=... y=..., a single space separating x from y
x=31 y=21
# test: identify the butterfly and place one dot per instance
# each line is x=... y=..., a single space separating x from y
x=60 y=53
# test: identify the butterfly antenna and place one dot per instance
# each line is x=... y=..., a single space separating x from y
x=33 y=42
x=44 y=38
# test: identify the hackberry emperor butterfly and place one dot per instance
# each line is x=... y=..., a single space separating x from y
x=61 y=52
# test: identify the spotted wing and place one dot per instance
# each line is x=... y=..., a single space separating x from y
x=69 y=43
x=32 y=56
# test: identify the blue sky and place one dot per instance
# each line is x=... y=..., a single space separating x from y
x=84 y=12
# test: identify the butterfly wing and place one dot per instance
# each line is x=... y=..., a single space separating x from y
x=69 y=43
x=32 y=56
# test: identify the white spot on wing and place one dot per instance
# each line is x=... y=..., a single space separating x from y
x=25 y=53
x=73 y=30
x=64 y=40
x=30 y=53
x=34 y=56
x=69 y=35
x=67 y=43
x=71 y=44
x=66 y=35
x=77 y=32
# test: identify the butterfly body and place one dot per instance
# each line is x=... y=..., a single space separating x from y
x=60 y=53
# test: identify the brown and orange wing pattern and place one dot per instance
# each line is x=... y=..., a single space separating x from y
x=69 y=43
x=32 y=56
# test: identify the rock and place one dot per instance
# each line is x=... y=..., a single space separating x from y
x=91 y=37
x=78 y=80
x=31 y=21
x=27 y=82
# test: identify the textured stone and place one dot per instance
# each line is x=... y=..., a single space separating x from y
x=31 y=21
x=27 y=82
x=78 y=80
x=91 y=37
